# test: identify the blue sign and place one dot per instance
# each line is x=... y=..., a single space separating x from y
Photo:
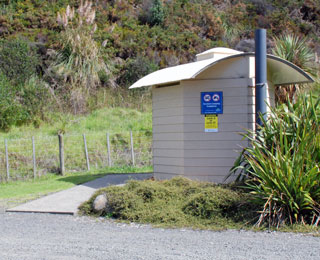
x=212 y=103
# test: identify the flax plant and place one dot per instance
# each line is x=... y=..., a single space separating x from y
x=79 y=61
x=281 y=168
x=294 y=49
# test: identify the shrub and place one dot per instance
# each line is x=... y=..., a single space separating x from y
x=18 y=60
x=136 y=69
x=179 y=201
x=11 y=112
x=35 y=98
x=282 y=165
x=20 y=104
x=153 y=13
x=210 y=203
x=157 y=13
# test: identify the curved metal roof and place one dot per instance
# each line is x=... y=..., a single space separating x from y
x=280 y=72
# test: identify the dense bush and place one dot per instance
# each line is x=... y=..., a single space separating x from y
x=282 y=165
x=11 y=112
x=136 y=69
x=152 y=13
x=210 y=203
x=24 y=96
x=18 y=60
x=157 y=15
x=35 y=98
x=22 y=103
x=179 y=202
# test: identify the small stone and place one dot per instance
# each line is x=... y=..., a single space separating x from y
x=100 y=203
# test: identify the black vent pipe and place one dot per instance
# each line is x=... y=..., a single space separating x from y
x=261 y=73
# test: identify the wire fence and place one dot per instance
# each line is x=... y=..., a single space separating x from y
x=27 y=158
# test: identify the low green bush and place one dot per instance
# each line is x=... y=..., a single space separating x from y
x=175 y=202
x=209 y=203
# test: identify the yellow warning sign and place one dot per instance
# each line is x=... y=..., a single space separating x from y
x=211 y=123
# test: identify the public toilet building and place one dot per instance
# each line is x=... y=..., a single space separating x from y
x=200 y=108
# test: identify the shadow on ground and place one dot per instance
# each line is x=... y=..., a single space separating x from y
x=102 y=180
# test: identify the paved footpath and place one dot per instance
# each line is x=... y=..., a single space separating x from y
x=31 y=236
x=68 y=201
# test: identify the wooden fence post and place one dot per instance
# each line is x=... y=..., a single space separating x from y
x=7 y=159
x=61 y=154
x=86 y=151
x=109 y=152
x=34 y=158
x=132 y=150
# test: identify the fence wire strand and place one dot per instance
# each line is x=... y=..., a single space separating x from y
x=20 y=153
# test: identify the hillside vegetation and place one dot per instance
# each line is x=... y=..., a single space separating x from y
x=76 y=56
x=165 y=32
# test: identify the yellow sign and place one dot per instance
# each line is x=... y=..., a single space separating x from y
x=211 y=123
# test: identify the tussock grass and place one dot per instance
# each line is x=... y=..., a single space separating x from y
x=178 y=202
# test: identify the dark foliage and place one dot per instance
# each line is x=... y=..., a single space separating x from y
x=18 y=60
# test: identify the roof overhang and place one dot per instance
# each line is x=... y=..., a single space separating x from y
x=280 y=72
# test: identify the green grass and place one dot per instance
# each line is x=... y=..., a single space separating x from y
x=118 y=122
x=180 y=202
x=13 y=193
x=99 y=121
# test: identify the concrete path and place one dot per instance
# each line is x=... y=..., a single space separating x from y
x=68 y=201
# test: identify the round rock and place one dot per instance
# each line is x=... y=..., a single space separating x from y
x=100 y=203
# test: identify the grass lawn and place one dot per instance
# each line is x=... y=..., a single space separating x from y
x=13 y=193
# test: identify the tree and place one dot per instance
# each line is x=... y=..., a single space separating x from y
x=157 y=13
